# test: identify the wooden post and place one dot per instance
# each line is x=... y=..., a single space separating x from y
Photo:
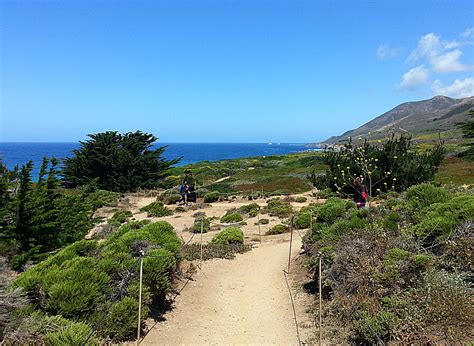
x=320 y=302
x=258 y=223
x=202 y=228
x=291 y=241
x=140 y=301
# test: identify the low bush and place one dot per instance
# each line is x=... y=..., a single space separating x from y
x=231 y=217
x=180 y=210
x=264 y=221
x=72 y=333
x=201 y=221
x=423 y=195
x=250 y=209
x=79 y=280
x=230 y=235
x=302 y=219
x=277 y=229
x=300 y=199
x=398 y=271
x=439 y=220
x=277 y=207
x=227 y=251
x=120 y=216
x=211 y=197
x=332 y=209
x=170 y=198
x=157 y=209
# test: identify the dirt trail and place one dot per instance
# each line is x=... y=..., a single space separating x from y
x=240 y=301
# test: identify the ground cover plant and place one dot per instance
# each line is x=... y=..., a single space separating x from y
x=283 y=174
x=278 y=229
x=120 y=216
x=250 y=209
x=278 y=207
x=398 y=272
x=230 y=235
x=156 y=209
x=201 y=223
x=192 y=252
x=231 y=217
x=77 y=284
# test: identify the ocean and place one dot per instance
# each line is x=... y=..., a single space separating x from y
x=13 y=154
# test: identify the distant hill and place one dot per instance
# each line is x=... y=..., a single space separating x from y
x=421 y=118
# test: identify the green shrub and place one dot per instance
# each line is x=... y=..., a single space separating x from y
x=277 y=229
x=76 y=288
x=390 y=221
x=231 y=235
x=300 y=199
x=439 y=220
x=160 y=233
x=157 y=209
x=77 y=281
x=227 y=251
x=180 y=210
x=332 y=209
x=124 y=229
x=211 y=197
x=382 y=324
x=121 y=321
x=277 y=207
x=204 y=221
x=157 y=267
x=339 y=228
x=171 y=199
x=264 y=221
x=231 y=217
x=73 y=333
x=423 y=195
x=250 y=209
x=120 y=216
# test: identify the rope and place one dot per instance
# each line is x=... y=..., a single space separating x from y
x=293 y=306
x=374 y=333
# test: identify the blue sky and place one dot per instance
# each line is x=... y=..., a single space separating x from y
x=224 y=71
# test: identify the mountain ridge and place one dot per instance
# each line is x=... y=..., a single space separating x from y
x=435 y=115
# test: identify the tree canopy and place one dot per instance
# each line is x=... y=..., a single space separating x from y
x=117 y=162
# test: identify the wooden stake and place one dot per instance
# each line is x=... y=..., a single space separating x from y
x=140 y=302
x=291 y=241
x=202 y=228
x=258 y=223
x=320 y=302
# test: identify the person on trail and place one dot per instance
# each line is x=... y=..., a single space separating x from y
x=360 y=194
x=191 y=194
x=183 y=191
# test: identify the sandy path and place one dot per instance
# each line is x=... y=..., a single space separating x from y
x=240 y=301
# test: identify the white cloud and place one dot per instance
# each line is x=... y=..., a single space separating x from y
x=443 y=56
x=385 y=51
x=458 y=89
x=448 y=62
x=468 y=33
x=415 y=77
